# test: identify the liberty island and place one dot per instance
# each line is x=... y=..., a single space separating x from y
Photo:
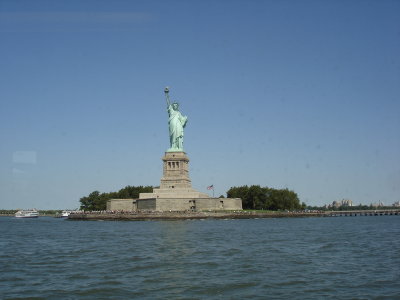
x=175 y=192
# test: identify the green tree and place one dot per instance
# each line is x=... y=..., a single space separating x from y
x=98 y=201
x=257 y=197
x=240 y=192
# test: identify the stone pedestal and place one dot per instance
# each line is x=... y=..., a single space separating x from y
x=175 y=192
x=175 y=183
x=175 y=171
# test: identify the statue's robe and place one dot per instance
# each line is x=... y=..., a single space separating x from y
x=176 y=124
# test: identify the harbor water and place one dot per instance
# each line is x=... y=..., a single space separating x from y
x=296 y=258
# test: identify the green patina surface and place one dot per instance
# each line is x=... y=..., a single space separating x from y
x=176 y=123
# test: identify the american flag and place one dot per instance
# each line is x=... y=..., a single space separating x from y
x=211 y=187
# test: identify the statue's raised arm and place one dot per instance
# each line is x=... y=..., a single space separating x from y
x=166 y=91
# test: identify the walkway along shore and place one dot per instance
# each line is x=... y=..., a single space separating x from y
x=147 y=216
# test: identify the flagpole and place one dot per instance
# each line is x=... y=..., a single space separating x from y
x=211 y=187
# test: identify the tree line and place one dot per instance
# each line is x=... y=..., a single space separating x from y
x=98 y=201
x=253 y=197
x=265 y=198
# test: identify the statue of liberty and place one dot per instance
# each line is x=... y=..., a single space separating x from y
x=176 y=123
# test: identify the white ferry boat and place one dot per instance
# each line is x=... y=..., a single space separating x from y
x=65 y=213
x=28 y=213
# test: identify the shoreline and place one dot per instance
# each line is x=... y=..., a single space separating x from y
x=192 y=215
x=170 y=216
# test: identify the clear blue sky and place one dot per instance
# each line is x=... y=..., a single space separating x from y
x=302 y=95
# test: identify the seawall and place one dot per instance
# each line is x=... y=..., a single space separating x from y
x=145 y=216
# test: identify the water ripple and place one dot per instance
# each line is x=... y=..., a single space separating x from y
x=313 y=258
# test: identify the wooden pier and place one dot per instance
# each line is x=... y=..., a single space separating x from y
x=355 y=213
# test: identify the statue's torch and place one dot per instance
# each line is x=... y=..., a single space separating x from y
x=166 y=91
